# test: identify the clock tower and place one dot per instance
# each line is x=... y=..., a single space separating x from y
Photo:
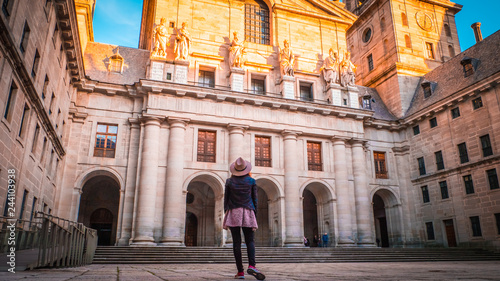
x=395 y=42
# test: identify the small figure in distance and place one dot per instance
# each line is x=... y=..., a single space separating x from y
x=325 y=240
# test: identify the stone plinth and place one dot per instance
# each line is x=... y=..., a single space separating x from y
x=353 y=96
x=160 y=70
x=181 y=71
x=236 y=79
x=334 y=94
x=287 y=87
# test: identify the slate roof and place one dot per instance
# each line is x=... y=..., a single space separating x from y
x=380 y=110
x=96 y=60
x=450 y=77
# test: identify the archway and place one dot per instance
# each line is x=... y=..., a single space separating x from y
x=387 y=219
x=318 y=215
x=99 y=207
x=268 y=214
x=262 y=237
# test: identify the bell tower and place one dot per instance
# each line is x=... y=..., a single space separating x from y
x=394 y=42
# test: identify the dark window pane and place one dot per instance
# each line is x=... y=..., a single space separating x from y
x=430 y=230
x=421 y=166
x=493 y=178
x=425 y=194
x=469 y=185
x=433 y=122
x=416 y=130
x=462 y=151
x=439 y=160
x=486 y=145
x=497 y=219
x=455 y=112
x=444 y=190
x=380 y=166
x=477 y=103
x=476 y=226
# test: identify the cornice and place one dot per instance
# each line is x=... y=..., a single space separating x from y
x=349 y=18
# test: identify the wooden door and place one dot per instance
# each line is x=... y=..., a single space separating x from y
x=450 y=233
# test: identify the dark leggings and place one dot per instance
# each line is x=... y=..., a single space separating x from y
x=249 y=240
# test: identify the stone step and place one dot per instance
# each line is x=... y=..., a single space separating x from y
x=144 y=255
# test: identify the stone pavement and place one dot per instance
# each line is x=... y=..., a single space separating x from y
x=305 y=271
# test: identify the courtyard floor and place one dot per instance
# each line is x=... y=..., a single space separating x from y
x=489 y=270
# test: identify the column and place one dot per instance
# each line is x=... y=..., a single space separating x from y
x=363 y=204
x=236 y=141
x=342 y=189
x=145 y=211
x=174 y=214
x=128 y=200
x=293 y=208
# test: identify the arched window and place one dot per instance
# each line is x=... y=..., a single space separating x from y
x=257 y=22
x=447 y=30
x=407 y=41
x=116 y=63
x=451 y=50
x=382 y=24
x=386 y=46
x=404 y=19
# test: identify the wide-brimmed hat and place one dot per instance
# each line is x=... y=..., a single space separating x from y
x=240 y=167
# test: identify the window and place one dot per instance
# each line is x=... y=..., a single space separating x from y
x=257 y=22
x=382 y=24
x=24 y=37
x=447 y=30
x=416 y=130
x=427 y=87
x=45 y=85
x=468 y=66
x=469 y=185
x=451 y=51
x=24 y=121
x=262 y=151
x=462 y=151
x=33 y=208
x=52 y=100
x=35 y=138
x=105 y=141
x=314 y=156
x=367 y=35
x=444 y=190
x=477 y=103
x=49 y=168
x=367 y=102
x=206 y=78
x=44 y=148
x=455 y=112
x=9 y=106
x=486 y=145
x=425 y=194
x=258 y=86
x=36 y=61
x=476 y=226
x=306 y=92
x=386 y=46
x=433 y=122
x=429 y=50
x=493 y=179
x=407 y=41
x=7 y=7
x=23 y=203
x=206 y=146
x=370 y=62
x=430 y=230
x=115 y=64
x=404 y=19
x=380 y=168
x=439 y=160
x=421 y=165
x=55 y=35
x=497 y=219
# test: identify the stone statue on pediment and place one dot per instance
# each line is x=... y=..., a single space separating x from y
x=236 y=51
x=287 y=60
x=160 y=39
x=347 y=69
x=330 y=68
x=182 y=43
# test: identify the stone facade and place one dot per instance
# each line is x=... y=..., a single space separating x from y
x=154 y=116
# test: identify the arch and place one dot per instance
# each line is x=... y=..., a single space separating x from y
x=404 y=19
x=386 y=46
x=271 y=186
x=389 y=195
x=214 y=180
x=451 y=51
x=447 y=30
x=317 y=186
x=387 y=214
x=258 y=14
x=407 y=41
x=269 y=216
x=382 y=24
x=99 y=171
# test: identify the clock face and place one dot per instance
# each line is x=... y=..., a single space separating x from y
x=424 y=20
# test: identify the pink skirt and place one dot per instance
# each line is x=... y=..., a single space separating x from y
x=241 y=217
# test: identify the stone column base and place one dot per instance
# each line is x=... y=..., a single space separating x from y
x=181 y=71
x=334 y=94
x=237 y=79
x=287 y=87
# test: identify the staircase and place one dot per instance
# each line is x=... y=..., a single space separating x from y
x=164 y=255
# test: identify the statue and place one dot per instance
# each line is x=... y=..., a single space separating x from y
x=330 y=68
x=236 y=51
x=160 y=39
x=182 y=43
x=347 y=69
x=287 y=60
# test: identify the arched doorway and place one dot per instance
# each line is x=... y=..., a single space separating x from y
x=318 y=216
x=268 y=214
x=387 y=219
x=99 y=207
x=191 y=235
x=262 y=237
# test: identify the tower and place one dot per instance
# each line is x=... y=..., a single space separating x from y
x=394 y=42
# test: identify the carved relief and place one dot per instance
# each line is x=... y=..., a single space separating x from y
x=287 y=60
x=330 y=68
x=182 y=43
x=160 y=39
x=236 y=52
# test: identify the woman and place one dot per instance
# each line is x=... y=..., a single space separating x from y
x=240 y=206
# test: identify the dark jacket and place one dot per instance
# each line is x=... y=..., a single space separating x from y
x=240 y=192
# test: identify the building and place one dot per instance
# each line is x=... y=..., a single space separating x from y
x=148 y=134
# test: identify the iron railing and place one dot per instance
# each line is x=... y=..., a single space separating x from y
x=57 y=242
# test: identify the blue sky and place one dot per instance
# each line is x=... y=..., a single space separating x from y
x=118 y=22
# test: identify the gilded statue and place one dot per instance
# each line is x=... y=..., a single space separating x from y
x=330 y=68
x=347 y=69
x=287 y=60
x=236 y=51
x=182 y=43
x=160 y=39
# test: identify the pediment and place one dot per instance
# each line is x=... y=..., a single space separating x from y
x=319 y=8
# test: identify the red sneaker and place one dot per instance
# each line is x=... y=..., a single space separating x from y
x=240 y=275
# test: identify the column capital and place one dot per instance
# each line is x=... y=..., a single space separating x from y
x=358 y=142
x=339 y=140
x=177 y=122
x=290 y=134
x=401 y=150
x=134 y=122
x=236 y=128
x=149 y=119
